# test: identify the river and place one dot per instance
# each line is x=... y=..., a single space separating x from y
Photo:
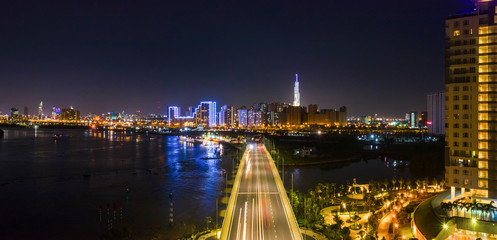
x=80 y=186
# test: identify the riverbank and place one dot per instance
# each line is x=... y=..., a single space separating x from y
x=422 y=158
x=324 y=161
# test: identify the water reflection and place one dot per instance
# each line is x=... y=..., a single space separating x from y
x=305 y=178
x=84 y=176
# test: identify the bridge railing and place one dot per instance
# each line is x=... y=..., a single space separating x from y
x=231 y=203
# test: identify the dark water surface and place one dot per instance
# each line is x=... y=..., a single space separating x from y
x=55 y=189
x=76 y=187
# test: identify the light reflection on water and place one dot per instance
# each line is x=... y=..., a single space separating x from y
x=52 y=190
x=58 y=188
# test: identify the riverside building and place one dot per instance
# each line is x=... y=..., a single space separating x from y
x=471 y=101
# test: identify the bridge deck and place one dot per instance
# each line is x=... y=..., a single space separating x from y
x=259 y=207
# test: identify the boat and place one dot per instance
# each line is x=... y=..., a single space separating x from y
x=59 y=136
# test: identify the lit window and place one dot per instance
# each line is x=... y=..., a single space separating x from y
x=483 y=116
x=483 y=126
x=483 y=174
x=483 y=107
x=483 y=164
x=457 y=33
x=483 y=183
x=483 y=145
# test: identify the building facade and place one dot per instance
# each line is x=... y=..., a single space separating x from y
x=435 y=106
x=471 y=101
x=242 y=118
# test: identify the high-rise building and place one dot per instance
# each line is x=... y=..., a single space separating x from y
x=26 y=112
x=242 y=117
x=423 y=118
x=14 y=113
x=436 y=113
x=342 y=115
x=413 y=119
x=40 y=110
x=70 y=114
x=176 y=119
x=296 y=92
x=292 y=116
x=206 y=114
x=54 y=115
x=312 y=112
x=222 y=114
x=471 y=101
x=251 y=118
x=229 y=117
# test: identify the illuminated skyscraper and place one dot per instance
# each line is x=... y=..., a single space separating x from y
x=296 y=92
x=222 y=116
x=242 y=117
x=40 y=110
x=471 y=101
x=206 y=114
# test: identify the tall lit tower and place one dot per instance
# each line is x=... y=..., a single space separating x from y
x=296 y=93
x=471 y=101
x=40 y=110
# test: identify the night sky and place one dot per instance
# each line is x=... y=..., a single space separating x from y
x=98 y=56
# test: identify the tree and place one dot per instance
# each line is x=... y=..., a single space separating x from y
x=394 y=181
x=385 y=183
x=434 y=182
x=408 y=183
x=418 y=183
x=345 y=233
x=401 y=182
x=338 y=220
x=425 y=182
x=442 y=183
x=208 y=221
x=446 y=207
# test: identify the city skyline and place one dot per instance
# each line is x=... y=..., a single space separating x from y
x=166 y=53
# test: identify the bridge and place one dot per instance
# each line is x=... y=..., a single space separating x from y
x=259 y=207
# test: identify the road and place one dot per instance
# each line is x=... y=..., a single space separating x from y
x=258 y=211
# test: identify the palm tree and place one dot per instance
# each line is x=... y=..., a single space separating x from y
x=467 y=207
x=318 y=192
x=385 y=183
x=446 y=207
x=338 y=220
x=492 y=210
x=401 y=182
x=342 y=188
x=425 y=182
x=442 y=183
x=418 y=183
x=394 y=181
x=408 y=183
x=333 y=187
x=434 y=182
